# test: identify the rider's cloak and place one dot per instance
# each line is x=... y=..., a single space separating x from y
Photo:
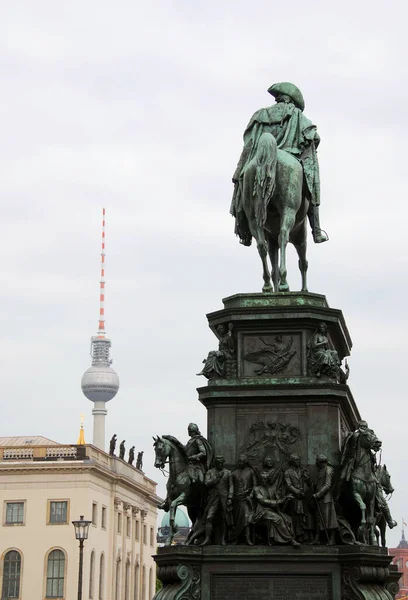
x=295 y=134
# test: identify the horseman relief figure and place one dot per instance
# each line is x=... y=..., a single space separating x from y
x=277 y=184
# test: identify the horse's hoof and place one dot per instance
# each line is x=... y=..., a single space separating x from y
x=284 y=287
x=267 y=288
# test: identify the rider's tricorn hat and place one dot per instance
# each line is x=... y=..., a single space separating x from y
x=288 y=89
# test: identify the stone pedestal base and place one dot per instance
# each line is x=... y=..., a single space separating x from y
x=275 y=573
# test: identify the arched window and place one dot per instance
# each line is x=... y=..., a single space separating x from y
x=11 y=575
x=91 y=574
x=55 y=574
x=136 y=584
x=101 y=576
x=150 y=584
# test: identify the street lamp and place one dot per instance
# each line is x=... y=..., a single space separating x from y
x=81 y=534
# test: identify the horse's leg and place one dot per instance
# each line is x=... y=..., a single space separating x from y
x=303 y=264
x=173 y=507
x=274 y=257
x=249 y=203
x=287 y=222
x=382 y=525
x=361 y=533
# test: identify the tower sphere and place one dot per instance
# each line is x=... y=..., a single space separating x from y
x=100 y=383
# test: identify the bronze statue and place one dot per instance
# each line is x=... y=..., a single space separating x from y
x=131 y=455
x=297 y=481
x=187 y=467
x=358 y=478
x=268 y=511
x=277 y=184
x=244 y=480
x=139 y=461
x=321 y=359
x=219 y=500
x=199 y=453
x=325 y=519
x=382 y=510
x=112 y=445
x=122 y=450
x=215 y=363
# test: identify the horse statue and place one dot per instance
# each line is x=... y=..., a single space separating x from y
x=274 y=179
x=358 y=478
x=184 y=486
x=383 y=515
x=277 y=185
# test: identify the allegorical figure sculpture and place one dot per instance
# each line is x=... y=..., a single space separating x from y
x=244 y=480
x=139 y=461
x=321 y=359
x=112 y=444
x=280 y=146
x=219 y=500
x=297 y=479
x=326 y=519
x=217 y=360
x=122 y=449
x=131 y=455
x=268 y=511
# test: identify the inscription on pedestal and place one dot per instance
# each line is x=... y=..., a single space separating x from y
x=268 y=587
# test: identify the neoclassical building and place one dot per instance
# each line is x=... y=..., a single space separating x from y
x=44 y=486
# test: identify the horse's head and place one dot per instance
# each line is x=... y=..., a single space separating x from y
x=161 y=449
x=384 y=479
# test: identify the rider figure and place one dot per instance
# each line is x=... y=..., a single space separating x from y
x=350 y=450
x=295 y=134
x=199 y=454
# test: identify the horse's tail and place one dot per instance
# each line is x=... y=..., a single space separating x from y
x=266 y=158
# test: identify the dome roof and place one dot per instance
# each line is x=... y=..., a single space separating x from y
x=181 y=519
x=100 y=383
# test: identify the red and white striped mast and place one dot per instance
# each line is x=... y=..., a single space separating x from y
x=100 y=382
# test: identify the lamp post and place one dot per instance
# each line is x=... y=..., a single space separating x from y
x=81 y=534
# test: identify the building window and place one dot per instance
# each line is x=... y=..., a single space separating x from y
x=136 y=584
x=144 y=534
x=137 y=530
x=14 y=513
x=58 y=511
x=11 y=575
x=119 y=522
x=151 y=536
x=94 y=513
x=101 y=576
x=91 y=574
x=128 y=526
x=103 y=520
x=55 y=574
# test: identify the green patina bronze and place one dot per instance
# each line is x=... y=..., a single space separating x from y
x=277 y=184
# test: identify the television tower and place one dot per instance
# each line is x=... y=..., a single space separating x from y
x=100 y=382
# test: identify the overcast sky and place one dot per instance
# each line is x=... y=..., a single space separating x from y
x=140 y=107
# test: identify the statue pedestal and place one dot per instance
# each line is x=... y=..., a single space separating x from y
x=278 y=573
x=271 y=404
x=246 y=413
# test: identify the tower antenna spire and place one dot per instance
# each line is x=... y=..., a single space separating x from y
x=101 y=326
x=100 y=382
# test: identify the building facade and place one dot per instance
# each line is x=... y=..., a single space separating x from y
x=400 y=559
x=44 y=486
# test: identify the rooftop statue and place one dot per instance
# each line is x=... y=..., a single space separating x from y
x=277 y=184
